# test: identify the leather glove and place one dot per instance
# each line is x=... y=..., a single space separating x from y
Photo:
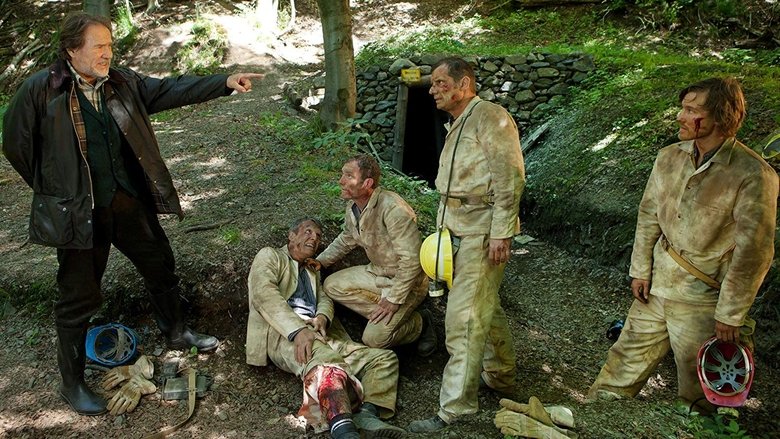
x=516 y=424
x=116 y=376
x=126 y=399
x=534 y=409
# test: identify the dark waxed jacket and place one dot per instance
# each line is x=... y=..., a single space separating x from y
x=40 y=141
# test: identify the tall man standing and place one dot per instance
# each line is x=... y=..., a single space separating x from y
x=481 y=179
x=79 y=135
x=387 y=290
x=712 y=201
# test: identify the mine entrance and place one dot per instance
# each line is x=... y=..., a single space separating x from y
x=421 y=129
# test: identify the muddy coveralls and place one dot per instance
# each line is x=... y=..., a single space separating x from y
x=721 y=218
x=273 y=278
x=388 y=232
x=487 y=181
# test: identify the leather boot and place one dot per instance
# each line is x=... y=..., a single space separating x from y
x=170 y=320
x=71 y=358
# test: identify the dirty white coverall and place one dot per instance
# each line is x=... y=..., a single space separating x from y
x=721 y=218
x=388 y=233
x=488 y=165
x=273 y=278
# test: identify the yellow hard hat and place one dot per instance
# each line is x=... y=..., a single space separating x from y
x=428 y=260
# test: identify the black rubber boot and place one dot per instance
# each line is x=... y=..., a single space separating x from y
x=426 y=344
x=71 y=358
x=170 y=320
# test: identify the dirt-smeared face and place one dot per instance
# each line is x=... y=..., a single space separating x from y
x=93 y=58
x=353 y=185
x=305 y=241
x=448 y=93
x=695 y=121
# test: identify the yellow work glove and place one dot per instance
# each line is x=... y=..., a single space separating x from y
x=125 y=400
x=116 y=376
x=517 y=424
x=533 y=409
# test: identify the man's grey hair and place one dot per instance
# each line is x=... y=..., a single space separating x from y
x=295 y=225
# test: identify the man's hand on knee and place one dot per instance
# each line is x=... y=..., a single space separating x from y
x=384 y=312
x=304 y=340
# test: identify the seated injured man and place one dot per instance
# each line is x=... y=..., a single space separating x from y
x=347 y=386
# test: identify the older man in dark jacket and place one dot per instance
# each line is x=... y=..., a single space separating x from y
x=79 y=135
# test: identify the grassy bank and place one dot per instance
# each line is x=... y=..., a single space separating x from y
x=585 y=178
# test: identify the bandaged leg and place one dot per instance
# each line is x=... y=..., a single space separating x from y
x=329 y=397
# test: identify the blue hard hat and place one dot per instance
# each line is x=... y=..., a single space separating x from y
x=111 y=344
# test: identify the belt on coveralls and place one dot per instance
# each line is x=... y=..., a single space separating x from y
x=472 y=200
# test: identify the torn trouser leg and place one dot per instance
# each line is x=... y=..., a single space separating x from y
x=330 y=396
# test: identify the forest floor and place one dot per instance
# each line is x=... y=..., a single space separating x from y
x=230 y=171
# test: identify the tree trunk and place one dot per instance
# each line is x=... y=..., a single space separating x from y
x=340 y=89
x=98 y=7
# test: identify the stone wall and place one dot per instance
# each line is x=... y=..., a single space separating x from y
x=526 y=85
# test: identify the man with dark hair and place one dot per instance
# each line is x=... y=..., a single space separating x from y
x=709 y=206
x=389 y=289
x=291 y=322
x=79 y=135
x=481 y=179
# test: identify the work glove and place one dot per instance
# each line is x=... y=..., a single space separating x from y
x=517 y=424
x=116 y=376
x=126 y=399
x=533 y=409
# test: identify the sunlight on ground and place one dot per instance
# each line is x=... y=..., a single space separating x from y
x=247 y=41
x=753 y=403
x=188 y=201
x=49 y=420
x=214 y=162
x=164 y=131
x=603 y=143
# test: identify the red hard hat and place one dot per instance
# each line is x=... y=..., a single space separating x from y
x=725 y=372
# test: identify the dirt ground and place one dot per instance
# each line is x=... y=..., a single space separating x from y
x=230 y=171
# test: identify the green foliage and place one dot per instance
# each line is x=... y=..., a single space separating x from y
x=125 y=30
x=163 y=116
x=38 y=297
x=32 y=336
x=284 y=130
x=669 y=13
x=231 y=235
x=204 y=53
x=716 y=426
x=416 y=192
x=4 y=99
x=452 y=39
x=349 y=135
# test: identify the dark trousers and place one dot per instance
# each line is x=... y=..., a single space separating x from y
x=134 y=230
